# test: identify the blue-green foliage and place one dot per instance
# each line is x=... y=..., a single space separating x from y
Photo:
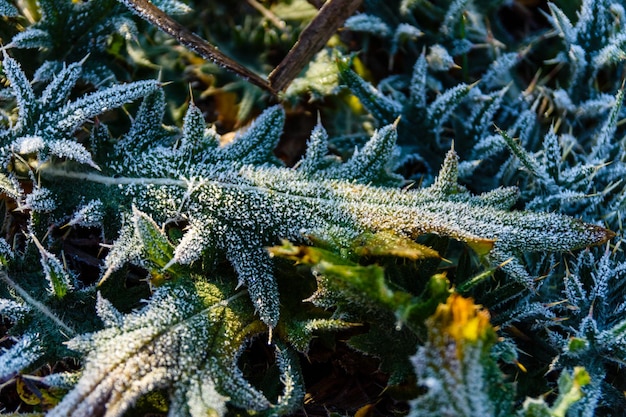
x=68 y=31
x=197 y=215
x=557 y=137
x=236 y=199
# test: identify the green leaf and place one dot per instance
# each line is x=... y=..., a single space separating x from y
x=382 y=108
x=58 y=278
x=156 y=246
x=387 y=243
x=186 y=339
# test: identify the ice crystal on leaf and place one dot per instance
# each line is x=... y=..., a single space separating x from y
x=70 y=30
x=19 y=356
x=185 y=340
x=45 y=124
x=7 y=9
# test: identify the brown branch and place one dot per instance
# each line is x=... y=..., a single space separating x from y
x=195 y=43
x=313 y=38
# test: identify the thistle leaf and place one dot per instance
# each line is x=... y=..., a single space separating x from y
x=58 y=278
x=186 y=340
x=58 y=91
x=24 y=94
x=22 y=354
x=382 y=108
x=253 y=146
x=77 y=112
x=389 y=244
x=455 y=365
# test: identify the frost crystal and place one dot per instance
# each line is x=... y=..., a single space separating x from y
x=22 y=354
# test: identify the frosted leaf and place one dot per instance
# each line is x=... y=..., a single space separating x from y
x=123 y=25
x=439 y=59
x=186 y=339
x=418 y=87
x=31 y=38
x=19 y=356
x=12 y=310
x=604 y=139
x=552 y=155
x=384 y=109
x=578 y=62
x=193 y=126
x=193 y=244
x=47 y=71
x=89 y=215
x=10 y=187
x=147 y=125
x=75 y=113
x=58 y=90
x=592 y=27
x=368 y=23
x=370 y=163
x=40 y=199
x=562 y=23
x=22 y=90
x=316 y=157
x=440 y=110
x=293 y=392
x=66 y=149
x=127 y=247
x=488 y=145
x=255 y=270
x=256 y=144
x=562 y=100
x=446 y=183
x=612 y=53
x=499 y=74
x=109 y=315
x=64 y=380
x=528 y=161
x=452 y=17
x=58 y=278
x=404 y=34
x=28 y=144
x=200 y=400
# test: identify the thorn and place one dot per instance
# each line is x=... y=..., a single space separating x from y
x=82 y=61
x=472 y=85
x=191 y=94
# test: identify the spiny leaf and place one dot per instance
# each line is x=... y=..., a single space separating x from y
x=186 y=339
x=348 y=285
x=24 y=94
x=382 y=108
x=455 y=366
x=253 y=146
x=58 y=278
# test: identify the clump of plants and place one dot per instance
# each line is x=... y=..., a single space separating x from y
x=447 y=242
